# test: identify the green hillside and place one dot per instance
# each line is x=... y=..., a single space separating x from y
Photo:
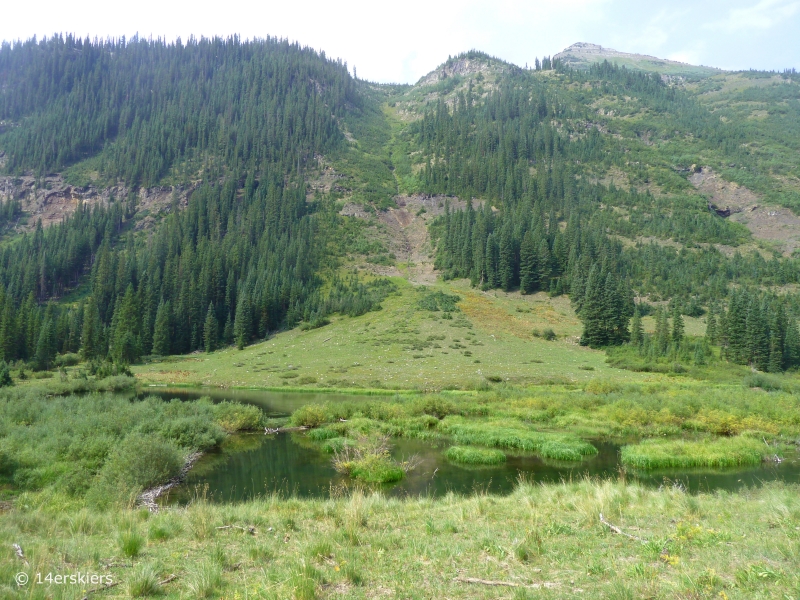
x=572 y=276
x=284 y=192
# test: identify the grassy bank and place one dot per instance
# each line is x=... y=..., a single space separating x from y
x=546 y=540
x=102 y=446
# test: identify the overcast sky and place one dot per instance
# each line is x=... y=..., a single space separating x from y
x=401 y=41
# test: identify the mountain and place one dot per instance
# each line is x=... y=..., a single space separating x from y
x=582 y=54
x=218 y=192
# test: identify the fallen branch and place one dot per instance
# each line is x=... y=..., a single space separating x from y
x=168 y=579
x=102 y=588
x=20 y=554
x=616 y=529
x=534 y=586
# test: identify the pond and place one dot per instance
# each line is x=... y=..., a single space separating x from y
x=252 y=465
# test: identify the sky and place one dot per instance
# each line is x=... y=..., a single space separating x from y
x=402 y=41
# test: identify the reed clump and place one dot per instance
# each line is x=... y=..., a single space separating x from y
x=474 y=456
x=683 y=454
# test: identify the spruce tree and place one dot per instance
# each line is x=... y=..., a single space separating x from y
x=528 y=272
x=592 y=311
x=242 y=322
x=46 y=345
x=210 y=330
x=711 y=325
x=161 y=334
x=791 y=345
x=678 y=327
x=637 y=332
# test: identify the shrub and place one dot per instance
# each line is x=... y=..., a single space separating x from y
x=310 y=415
x=474 y=456
x=766 y=382
x=143 y=461
x=436 y=406
x=69 y=359
x=234 y=416
x=194 y=432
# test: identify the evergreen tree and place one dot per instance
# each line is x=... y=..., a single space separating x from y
x=125 y=345
x=5 y=375
x=677 y=327
x=210 y=330
x=711 y=326
x=791 y=345
x=46 y=345
x=637 y=332
x=161 y=334
x=528 y=271
x=243 y=322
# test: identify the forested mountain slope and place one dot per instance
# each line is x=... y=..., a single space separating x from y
x=592 y=183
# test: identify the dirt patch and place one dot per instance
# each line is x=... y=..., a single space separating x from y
x=404 y=231
x=770 y=223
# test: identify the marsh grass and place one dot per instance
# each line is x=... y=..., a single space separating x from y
x=131 y=543
x=474 y=456
x=683 y=454
x=204 y=580
x=514 y=436
x=369 y=460
x=143 y=582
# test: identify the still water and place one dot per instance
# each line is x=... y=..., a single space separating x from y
x=252 y=465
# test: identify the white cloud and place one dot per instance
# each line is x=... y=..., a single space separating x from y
x=763 y=15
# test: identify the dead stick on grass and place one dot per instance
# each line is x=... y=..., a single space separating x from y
x=616 y=529
x=172 y=577
x=102 y=588
x=535 y=586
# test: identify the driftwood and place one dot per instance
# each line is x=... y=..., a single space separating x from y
x=616 y=529
x=534 y=586
x=271 y=430
x=149 y=497
x=20 y=554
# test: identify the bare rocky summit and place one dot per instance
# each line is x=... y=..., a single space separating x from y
x=582 y=54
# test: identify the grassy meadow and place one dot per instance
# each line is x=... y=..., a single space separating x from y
x=493 y=337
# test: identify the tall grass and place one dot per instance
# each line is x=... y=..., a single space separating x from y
x=683 y=454
x=513 y=436
x=474 y=456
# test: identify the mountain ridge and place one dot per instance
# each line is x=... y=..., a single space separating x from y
x=581 y=54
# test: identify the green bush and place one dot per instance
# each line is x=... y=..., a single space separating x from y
x=69 y=359
x=234 y=416
x=140 y=462
x=310 y=415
